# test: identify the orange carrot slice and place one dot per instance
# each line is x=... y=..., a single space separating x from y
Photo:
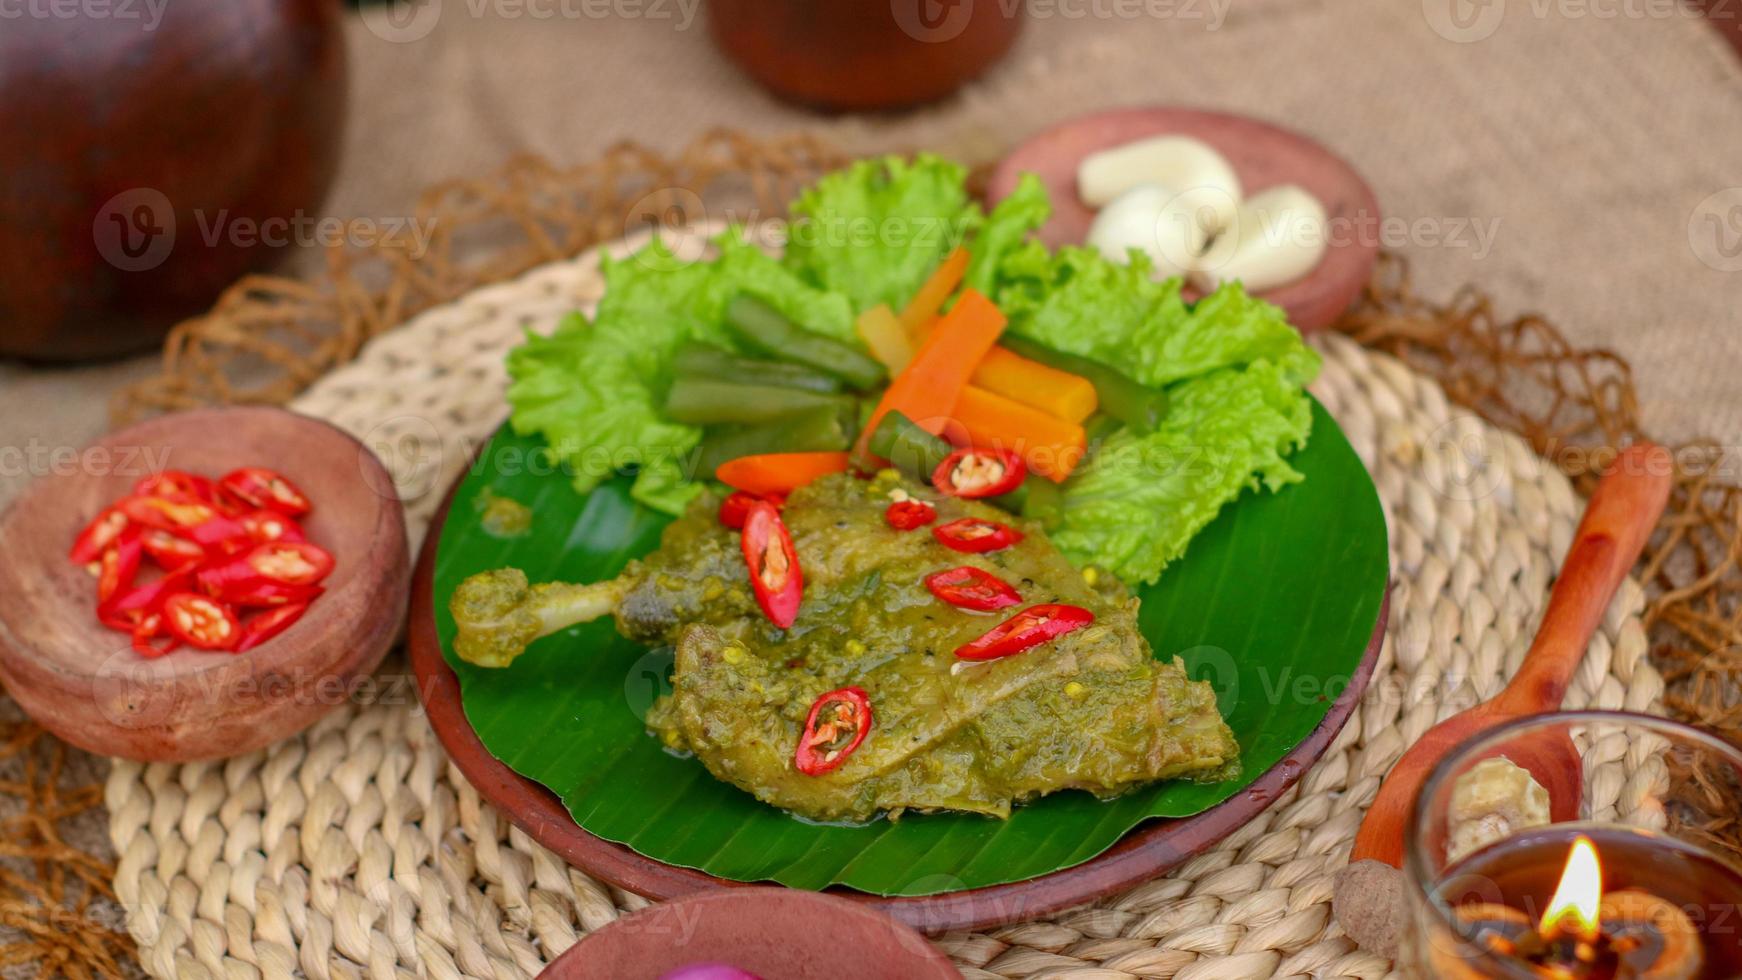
x=923 y=308
x=1049 y=445
x=772 y=473
x=1058 y=393
x=927 y=390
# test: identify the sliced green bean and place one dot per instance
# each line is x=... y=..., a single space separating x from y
x=908 y=447
x=814 y=431
x=763 y=329
x=1135 y=404
x=709 y=363
x=696 y=402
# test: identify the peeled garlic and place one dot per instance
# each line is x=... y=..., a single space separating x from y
x=1277 y=236
x=1179 y=162
x=1169 y=226
x=1495 y=799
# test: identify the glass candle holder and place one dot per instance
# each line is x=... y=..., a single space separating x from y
x=1637 y=877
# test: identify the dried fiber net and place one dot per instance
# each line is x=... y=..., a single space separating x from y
x=269 y=337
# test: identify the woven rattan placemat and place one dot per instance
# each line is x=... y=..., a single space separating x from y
x=357 y=850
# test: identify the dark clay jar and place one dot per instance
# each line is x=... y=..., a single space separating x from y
x=147 y=148
x=864 y=54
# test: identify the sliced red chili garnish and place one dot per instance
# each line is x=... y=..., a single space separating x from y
x=838 y=722
x=264 y=489
x=176 y=483
x=264 y=525
x=118 y=567
x=975 y=536
x=736 y=507
x=973 y=472
x=170 y=550
x=972 y=588
x=126 y=610
x=168 y=513
x=146 y=634
x=907 y=515
x=773 y=562
x=266 y=595
x=264 y=626
x=1027 y=629
x=98 y=535
x=201 y=621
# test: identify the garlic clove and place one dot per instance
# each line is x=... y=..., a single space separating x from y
x=1167 y=226
x=1277 y=236
x=1179 y=162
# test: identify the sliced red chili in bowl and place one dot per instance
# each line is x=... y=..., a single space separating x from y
x=171 y=550
x=265 y=525
x=148 y=637
x=1027 y=629
x=836 y=726
x=167 y=513
x=908 y=515
x=176 y=483
x=264 y=489
x=282 y=563
x=266 y=595
x=972 y=472
x=127 y=609
x=201 y=621
x=98 y=535
x=264 y=626
x=972 y=588
x=775 y=576
x=119 y=565
x=974 y=536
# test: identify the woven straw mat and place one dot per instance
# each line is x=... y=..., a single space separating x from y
x=357 y=850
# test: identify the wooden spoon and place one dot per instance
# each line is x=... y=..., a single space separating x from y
x=1618 y=520
x=87 y=685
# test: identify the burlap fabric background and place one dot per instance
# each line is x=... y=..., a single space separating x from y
x=1597 y=142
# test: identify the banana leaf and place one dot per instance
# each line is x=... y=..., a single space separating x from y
x=1274 y=603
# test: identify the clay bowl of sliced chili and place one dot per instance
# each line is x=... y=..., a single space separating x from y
x=306 y=647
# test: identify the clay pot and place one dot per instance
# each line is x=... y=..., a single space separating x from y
x=144 y=141
x=864 y=54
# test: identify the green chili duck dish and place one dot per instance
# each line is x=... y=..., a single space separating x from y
x=908 y=562
x=928 y=728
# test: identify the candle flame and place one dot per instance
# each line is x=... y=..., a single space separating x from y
x=1574 y=908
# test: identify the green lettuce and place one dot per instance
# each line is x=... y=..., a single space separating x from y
x=1076 y=300
x=1133 y=506
x=1005 y=230
x=592 y=388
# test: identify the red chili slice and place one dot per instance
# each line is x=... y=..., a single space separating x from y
x=267 y=625
x=264 y=525
x=907 y=515
x=118 y=567
x=972 y=472
x=146 y=634
x=98 y=535
x=167 y=513
x=201 y=621
x=1027 y=629
x=736 y=507
x=775 y=576
x=975 y=536
x=264 y=489
x=176 y=483
x=838 y=722
x=170 y=550
x=972 y=588
x=125 y=611
x=267 y=595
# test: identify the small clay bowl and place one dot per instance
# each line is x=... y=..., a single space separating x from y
x=1261 y=154
x=774 y=933
x=86 y=684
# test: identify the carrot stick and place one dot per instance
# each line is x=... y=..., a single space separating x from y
x=886 y=337
x=927 y=390
x=1060 y=394
x=772 y=473
x=1051 y=446
x=923 y=308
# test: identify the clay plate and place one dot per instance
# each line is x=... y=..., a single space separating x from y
x=86 y=684
x=1261 y=154
x=1146 y=852
x=775 y=933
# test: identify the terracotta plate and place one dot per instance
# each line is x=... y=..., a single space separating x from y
x=1148 y=851
x=1263 y=155
x=774 y=933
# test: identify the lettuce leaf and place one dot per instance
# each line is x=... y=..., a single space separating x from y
x=1006 y=228
x=592 y=389
x=1135 y=505
x=1076 y=300
x=874 y=231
